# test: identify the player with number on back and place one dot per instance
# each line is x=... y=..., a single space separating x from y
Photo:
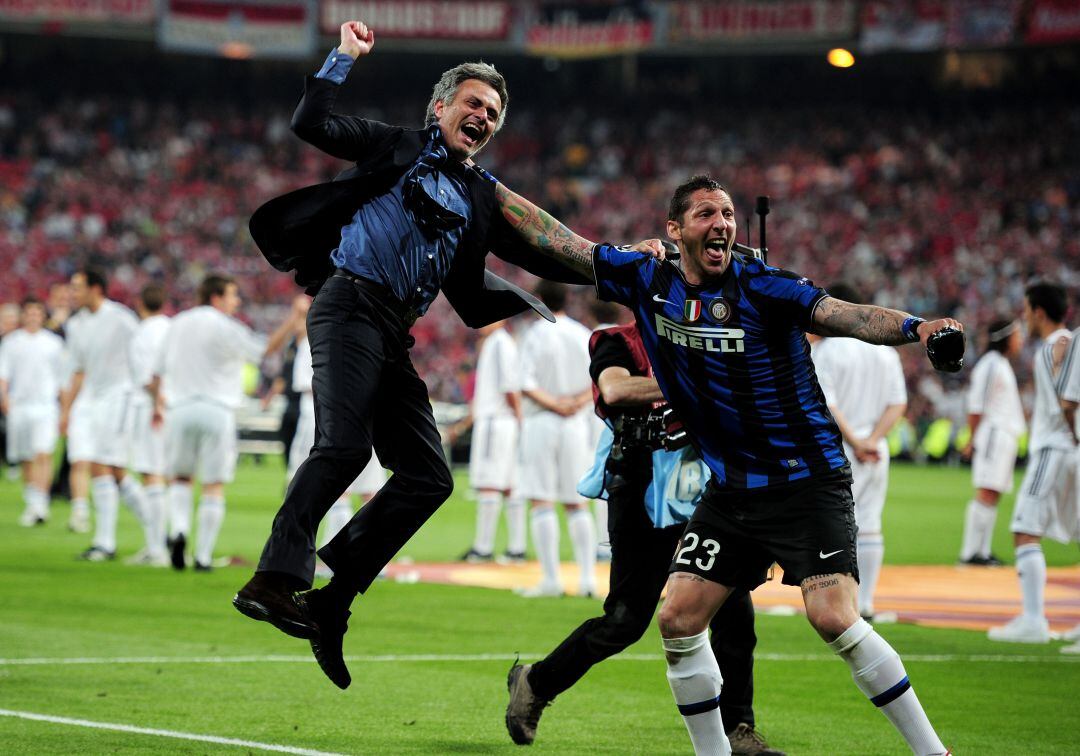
x=726 y=337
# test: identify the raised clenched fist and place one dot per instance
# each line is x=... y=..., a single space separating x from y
x=356 y=39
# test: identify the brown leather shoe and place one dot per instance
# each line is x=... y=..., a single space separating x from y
x=268 y=597
x=333 y=623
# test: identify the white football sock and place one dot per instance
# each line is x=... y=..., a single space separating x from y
x=180 y=505
x=37 y=501
x=871 y=553
x=880 y=675
x=134 y=497
x=80 y=507
x=1031 y=568
x=515 y=525
x=545 y=535
x=336 y=518
x=988 y=517
x=106 y=502
x=211 y=515
x=603 y=539
x=969 y=547
x=583 y=537
x=488 y=504
x=694 y=677
x=154 y=524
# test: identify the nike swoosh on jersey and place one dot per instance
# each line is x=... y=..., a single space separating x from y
x=658 y=298
x=822 y=555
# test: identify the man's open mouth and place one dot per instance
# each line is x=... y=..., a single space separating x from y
x=473 y=132
x=716 y=248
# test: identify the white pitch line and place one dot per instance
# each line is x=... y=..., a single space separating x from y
x=164 y=733
x=412 y=658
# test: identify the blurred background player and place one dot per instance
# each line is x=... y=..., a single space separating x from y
x=652 y=492
x=99 y=347
x=31 y=376
x=1046 y=504
x=147 y=437
x=555 y=440
x=996 y=420
x=1069 y=380
x=199 y=379
x=865 y=391
x=495 y=414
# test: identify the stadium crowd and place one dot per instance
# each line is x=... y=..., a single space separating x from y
x=925 y=210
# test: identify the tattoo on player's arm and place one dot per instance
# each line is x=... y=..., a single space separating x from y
x=874 y=325
x=545 y=233
x=820 y=582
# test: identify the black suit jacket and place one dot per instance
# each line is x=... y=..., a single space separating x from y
x=298 y=231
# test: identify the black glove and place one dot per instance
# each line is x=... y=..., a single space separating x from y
x=945 y=348
x=674 y=436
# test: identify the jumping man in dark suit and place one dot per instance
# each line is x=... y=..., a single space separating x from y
x=413 y=217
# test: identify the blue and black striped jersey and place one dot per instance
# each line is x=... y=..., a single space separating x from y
x=732 y=359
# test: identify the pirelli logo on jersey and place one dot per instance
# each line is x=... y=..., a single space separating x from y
x=702 y=338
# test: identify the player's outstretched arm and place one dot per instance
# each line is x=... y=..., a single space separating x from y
x=874 y=325
x=545 y=233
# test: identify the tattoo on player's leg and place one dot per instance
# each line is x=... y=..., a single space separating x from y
x=688 y=576
x=819 y=582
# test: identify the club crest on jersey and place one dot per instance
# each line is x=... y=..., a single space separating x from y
x=691 y=310
x=720 y=310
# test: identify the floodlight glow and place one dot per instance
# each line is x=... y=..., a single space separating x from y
x=840 y=58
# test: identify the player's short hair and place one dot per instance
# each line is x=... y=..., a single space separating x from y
x=31 y=300
x=95 y=276
x=1049 y=297
x=214 y=285
x=152 y=297
x=680 y=200
x=845 y=291
x=998 y=333
x=446 y=87
x=553 y=294
x=605 y=312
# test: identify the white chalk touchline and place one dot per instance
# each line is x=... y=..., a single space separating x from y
x=409 y=658
x=164 y=733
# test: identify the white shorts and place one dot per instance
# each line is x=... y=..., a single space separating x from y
x=147 y=442
x=32 y=429
x=200 y=441
x=554 y=455
x=869 y=485
x=108 y=414
x=994 y=459
x=80 y=433
x=494 y=453
x=1047 y=505
x=367 y=483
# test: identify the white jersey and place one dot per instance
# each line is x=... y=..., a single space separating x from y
x=555 y=359
x=32 y=365
x=993 y=394
x=859 y=379
x=204 y=357
x=99 y=346
x=146 y=348
x=1048 y=429
x=1069 y=376
x=497 y=374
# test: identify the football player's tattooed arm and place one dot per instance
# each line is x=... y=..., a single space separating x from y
x=869 y=323
x=545 y=233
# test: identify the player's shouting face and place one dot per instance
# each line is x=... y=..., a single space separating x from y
x=705 y=232
x=469 y=119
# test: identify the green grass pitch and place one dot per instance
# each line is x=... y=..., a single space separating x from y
x=166 y=651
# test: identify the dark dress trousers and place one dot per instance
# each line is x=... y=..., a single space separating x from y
x=366 y=391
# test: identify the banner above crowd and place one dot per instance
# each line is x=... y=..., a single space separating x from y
x=575 y=30
x=1053 y=21
x=421 y=19
x=237 y=29
x=78 y=11
x=761 y=20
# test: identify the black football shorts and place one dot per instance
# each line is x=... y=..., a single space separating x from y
x=808 y=528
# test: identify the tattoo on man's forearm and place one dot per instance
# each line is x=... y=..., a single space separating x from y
x=876 y=325
x=540 y=229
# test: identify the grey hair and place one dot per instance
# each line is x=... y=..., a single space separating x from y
x=448 y=84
